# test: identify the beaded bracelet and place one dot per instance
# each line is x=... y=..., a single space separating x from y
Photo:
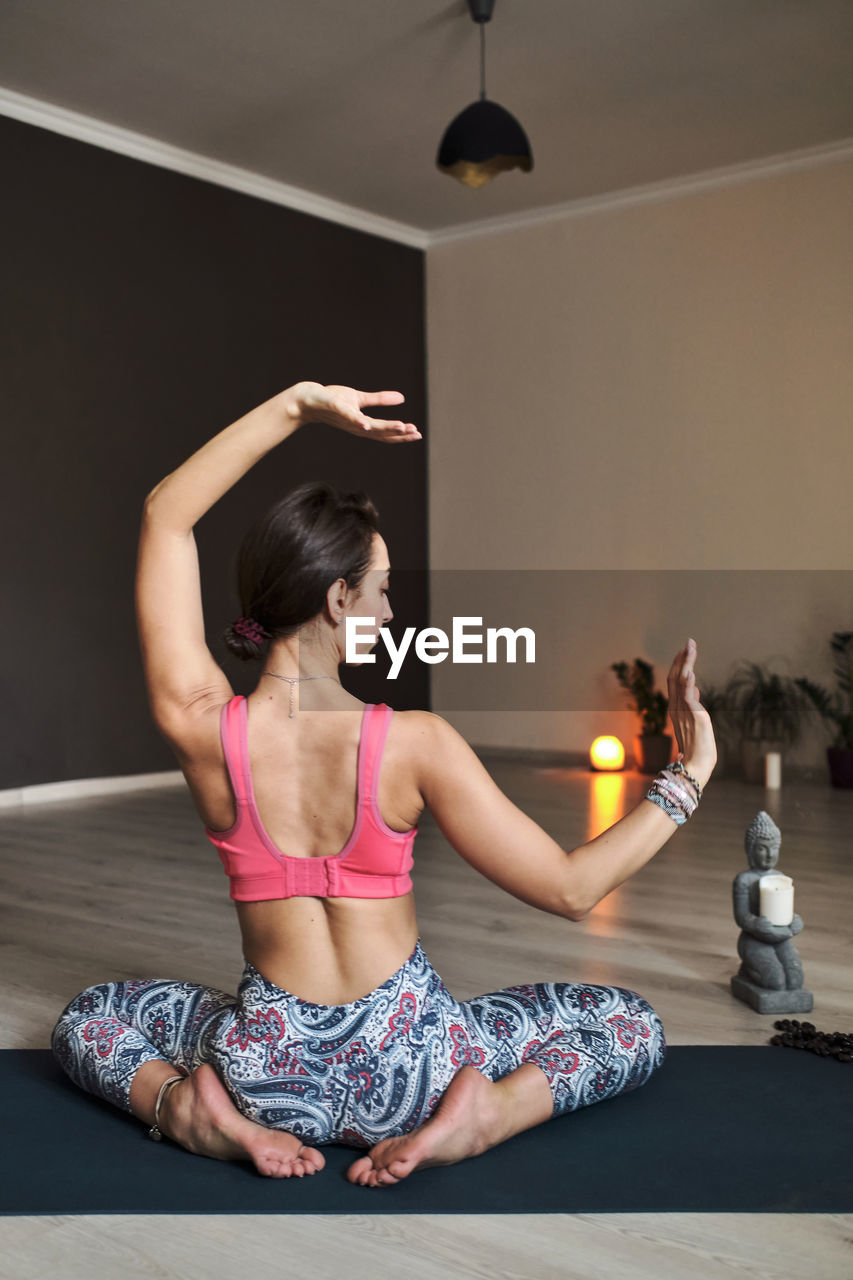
x=665 y=785
x=678 y=767
x=669 y=793
x=676 y=789
x=671 y=810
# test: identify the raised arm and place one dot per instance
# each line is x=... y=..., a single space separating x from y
x=183 y=678
x=510 y=849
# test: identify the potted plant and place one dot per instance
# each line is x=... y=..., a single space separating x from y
x=837 y=711
x=769 y=709
x=652 y=746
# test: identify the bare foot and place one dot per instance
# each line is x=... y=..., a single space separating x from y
x=200 y=1116
x=467 y=1121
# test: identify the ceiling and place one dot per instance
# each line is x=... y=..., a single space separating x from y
x=348 y=99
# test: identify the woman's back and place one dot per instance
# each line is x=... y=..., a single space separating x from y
x=334 y=786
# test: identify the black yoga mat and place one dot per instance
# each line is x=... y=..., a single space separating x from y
x=718 y=1129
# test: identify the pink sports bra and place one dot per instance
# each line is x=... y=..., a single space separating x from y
x=375 y=861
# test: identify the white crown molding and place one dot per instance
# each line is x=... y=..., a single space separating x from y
x=141 y=147
x=152 y=151
x=86 y=788
x=651 y=193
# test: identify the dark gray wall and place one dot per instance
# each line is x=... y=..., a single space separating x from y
x=144 y=311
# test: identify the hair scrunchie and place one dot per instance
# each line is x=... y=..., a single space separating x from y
x=249 y=629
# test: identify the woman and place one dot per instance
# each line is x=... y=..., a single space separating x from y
x=321 y=1045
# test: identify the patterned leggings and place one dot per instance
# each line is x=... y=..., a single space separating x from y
x=359 y=1072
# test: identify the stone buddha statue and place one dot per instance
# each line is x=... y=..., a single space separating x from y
x=770 y=978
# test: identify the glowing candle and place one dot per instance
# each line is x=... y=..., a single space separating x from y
x=776 y=895
x=607 y=752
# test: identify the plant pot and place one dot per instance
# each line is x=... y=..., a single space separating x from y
x=752 y=753
x=653 y=751
x=840 y=760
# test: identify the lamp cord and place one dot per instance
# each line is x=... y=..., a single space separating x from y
x=482 y=27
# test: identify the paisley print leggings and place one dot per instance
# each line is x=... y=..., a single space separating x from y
x=375 y=1068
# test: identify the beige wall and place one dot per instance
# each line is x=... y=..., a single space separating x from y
x=664 y=386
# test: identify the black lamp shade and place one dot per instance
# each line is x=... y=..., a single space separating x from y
x=482 y=141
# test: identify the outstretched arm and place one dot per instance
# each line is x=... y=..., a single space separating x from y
x=183 y=678
x=501 y=842
x=506 y=846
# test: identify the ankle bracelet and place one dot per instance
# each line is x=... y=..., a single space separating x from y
x=155 y=1132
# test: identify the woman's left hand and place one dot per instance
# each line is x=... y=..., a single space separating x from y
x=343 y=407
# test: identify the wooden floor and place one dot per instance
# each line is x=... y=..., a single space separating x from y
x=129 y=887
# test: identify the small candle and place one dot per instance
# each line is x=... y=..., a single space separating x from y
x=776 y=895
x=773 y=770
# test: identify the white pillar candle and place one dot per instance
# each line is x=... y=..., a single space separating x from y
x=773 y=770
x=776 y=894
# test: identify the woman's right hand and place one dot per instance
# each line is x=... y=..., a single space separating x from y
x=343 y=407
x=691 y=722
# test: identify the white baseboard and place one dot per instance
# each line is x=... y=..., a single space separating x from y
x=84 y=788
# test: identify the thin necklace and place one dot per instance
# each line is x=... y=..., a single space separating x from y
x=292 y=680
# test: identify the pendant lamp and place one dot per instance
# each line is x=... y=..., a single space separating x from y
x=484 y=139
